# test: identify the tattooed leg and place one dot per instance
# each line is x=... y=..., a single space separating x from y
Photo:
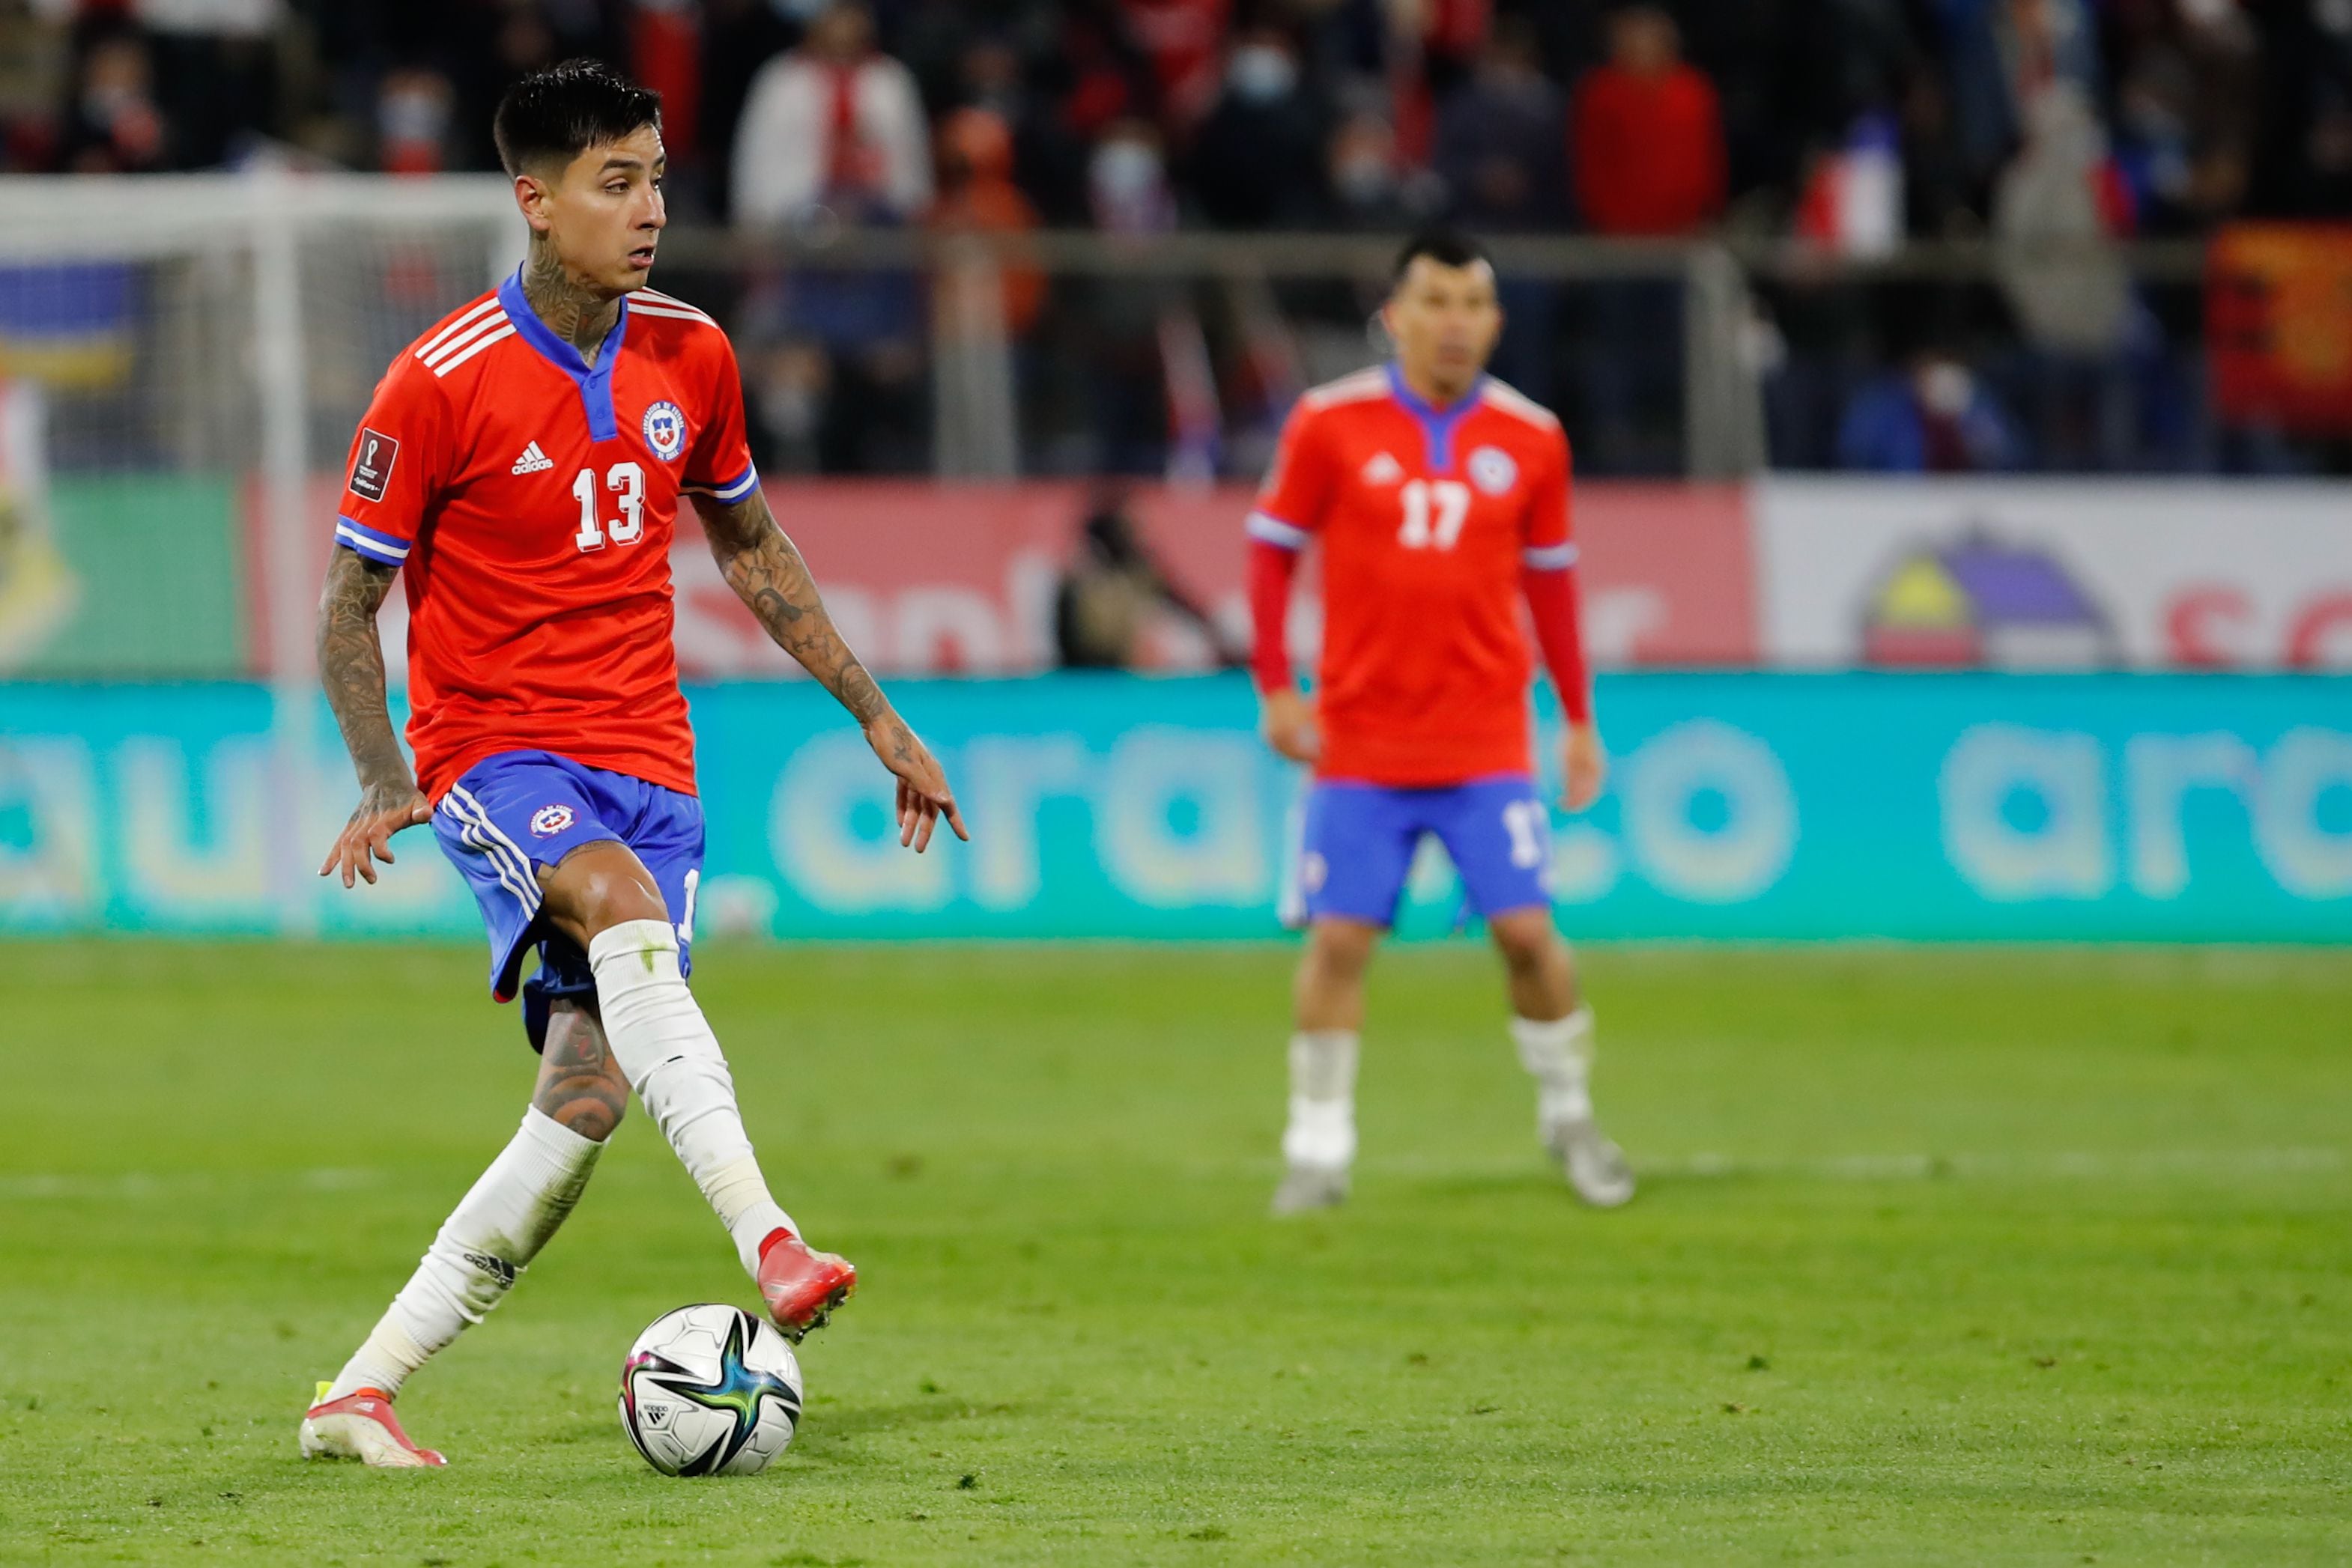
x=580 y=1085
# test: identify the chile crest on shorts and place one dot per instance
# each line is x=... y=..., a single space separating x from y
x=664 y=430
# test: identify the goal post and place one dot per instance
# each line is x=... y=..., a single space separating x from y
x=201 y=348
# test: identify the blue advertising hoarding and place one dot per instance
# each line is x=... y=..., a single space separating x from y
x=1966 y=806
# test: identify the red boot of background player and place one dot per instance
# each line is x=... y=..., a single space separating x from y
x=799 y=1287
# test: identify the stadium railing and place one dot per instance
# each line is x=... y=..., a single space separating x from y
x=193 y=353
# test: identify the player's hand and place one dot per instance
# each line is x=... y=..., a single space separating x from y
x=366 y=839
x=1586 y=769
x=1288 y=721
x=923 y=793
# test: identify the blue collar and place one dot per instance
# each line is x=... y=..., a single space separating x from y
x=1436 y=423
x=596 y=384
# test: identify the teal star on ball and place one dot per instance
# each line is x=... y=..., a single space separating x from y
x=738 y=1389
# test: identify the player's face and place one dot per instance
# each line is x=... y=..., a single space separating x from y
x=1445 y=321
x=606 y=214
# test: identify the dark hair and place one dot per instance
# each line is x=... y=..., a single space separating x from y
x=1446 y=247
x=563 y=111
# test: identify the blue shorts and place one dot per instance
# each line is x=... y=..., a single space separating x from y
x=515 y=812
x=1359 y=840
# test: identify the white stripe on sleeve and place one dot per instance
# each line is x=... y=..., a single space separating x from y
x=1268 y=529
x=375 y=549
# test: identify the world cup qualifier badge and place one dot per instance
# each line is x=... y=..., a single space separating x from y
x=664 y=430
x=549 y=820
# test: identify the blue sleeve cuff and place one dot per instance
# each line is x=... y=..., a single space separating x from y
x=1549 y=558
x=389 y=549
x=1267 y=528
x=734 y=490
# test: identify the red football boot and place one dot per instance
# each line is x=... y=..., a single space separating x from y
x=802 y=1287
x=360 y=1425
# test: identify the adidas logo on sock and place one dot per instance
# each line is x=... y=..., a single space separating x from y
x=533 y=460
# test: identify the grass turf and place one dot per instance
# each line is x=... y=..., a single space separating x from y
x=1968 y=1256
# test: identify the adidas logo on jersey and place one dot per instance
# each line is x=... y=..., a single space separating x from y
x=533 y=461
x=1383 y=469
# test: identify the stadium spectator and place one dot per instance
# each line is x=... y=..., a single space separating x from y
x=34 y=59
x=834 y=123
x=1501 y=138
x=1183 y=40
x=977 y=195
x=665 y=54
x=2303 y=135
x=1648 y=137
x=739 y=38
x=1128 y=191
x=1258 y=161
x=1933 y=417
x=1370 y=193
x=413 y=110
x=215 y=71
x=1112 y=591
x=1999 y=54
x=2058 y=206
x=114 y=126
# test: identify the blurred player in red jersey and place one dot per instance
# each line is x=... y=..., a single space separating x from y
x=522 y=464
x=1441 y=499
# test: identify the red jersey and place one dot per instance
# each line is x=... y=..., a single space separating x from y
x=1427 y=517
x=531 y=498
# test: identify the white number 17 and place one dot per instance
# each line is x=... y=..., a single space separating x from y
x=1448 y=500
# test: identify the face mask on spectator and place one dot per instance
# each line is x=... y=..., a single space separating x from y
x=103 y=103
x=1364 y=179
x=1261 y=73
x=1126 y=182
x=414 y=111
x=1945 y=390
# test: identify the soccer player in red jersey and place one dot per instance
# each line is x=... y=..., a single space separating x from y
x=1439 y=498
x=521 y=466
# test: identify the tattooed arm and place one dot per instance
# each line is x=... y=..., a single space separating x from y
x=351 y=665
x=766 y=574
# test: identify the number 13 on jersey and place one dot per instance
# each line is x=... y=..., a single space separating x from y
x=629 y=480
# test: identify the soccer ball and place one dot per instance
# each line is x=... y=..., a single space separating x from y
x=709 y=1391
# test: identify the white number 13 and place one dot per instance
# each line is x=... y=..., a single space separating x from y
x=625 y=529
x=1448 y=500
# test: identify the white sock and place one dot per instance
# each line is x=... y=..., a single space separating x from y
x=492 y=1235
x=667 y=1052
x=1322 y=1130
x=1558 y=1052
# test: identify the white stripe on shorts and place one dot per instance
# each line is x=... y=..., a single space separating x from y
x=512 y=866
x=495 y=837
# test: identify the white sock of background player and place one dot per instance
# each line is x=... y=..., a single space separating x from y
x=1322 y=1130
x=1559 y=1054
x=665 y=1050
x=492 y=1235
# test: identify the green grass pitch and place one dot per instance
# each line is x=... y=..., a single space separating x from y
x=1941 y=1255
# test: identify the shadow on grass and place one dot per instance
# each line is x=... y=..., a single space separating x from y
x=843 y=1423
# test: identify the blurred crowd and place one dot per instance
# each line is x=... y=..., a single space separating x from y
x=1854 y=122
x=1844 y=127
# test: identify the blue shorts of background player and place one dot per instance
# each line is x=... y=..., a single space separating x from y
x=511 y=814
x=1360 y=839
